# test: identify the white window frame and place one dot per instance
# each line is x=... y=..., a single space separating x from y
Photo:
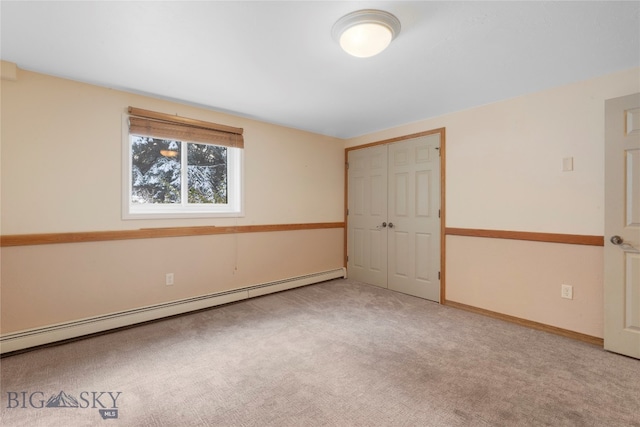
x=235 y=188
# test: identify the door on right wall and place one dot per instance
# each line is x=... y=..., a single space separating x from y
x=622 y=226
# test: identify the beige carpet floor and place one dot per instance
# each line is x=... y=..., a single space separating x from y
x=338 y=353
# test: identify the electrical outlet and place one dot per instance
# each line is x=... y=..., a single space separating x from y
x=169 y=279
x=566 y=291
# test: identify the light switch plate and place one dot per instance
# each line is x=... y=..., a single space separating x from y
x=567 y=164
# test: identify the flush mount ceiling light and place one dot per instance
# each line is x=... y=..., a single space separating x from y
x=366 y=32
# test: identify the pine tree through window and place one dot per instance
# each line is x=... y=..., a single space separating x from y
x=207 y=173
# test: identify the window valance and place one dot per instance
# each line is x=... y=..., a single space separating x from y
x=161 y=125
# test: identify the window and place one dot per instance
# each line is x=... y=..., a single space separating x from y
x=178 y=167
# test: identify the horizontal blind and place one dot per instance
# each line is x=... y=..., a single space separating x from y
x=160 y=125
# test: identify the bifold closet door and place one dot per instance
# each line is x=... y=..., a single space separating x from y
x=393 y=223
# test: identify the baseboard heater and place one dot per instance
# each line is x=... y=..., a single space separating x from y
x=77 y=328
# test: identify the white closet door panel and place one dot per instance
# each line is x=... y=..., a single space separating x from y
x=367 y=204
x=414 y=233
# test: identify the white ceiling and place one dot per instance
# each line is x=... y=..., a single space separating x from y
x=277 y=62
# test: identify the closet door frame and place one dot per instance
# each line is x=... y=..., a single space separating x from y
x=442 y=132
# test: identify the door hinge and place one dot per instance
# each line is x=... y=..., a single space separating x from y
x=438 y=275
x=346 y=165
x=438 y=213
x=347 y=258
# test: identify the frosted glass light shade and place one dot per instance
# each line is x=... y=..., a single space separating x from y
x=365 y=40
x=366 y=33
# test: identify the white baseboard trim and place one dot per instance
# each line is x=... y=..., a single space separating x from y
x=77 y=328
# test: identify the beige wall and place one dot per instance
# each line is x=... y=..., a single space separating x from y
x=61 y=172
x=504 y=159
x=49 y=284
x=503 y=172
x=61 y=162
x=523 y=279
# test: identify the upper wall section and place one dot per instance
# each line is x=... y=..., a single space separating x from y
x=62 y=152
x=504 y=160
